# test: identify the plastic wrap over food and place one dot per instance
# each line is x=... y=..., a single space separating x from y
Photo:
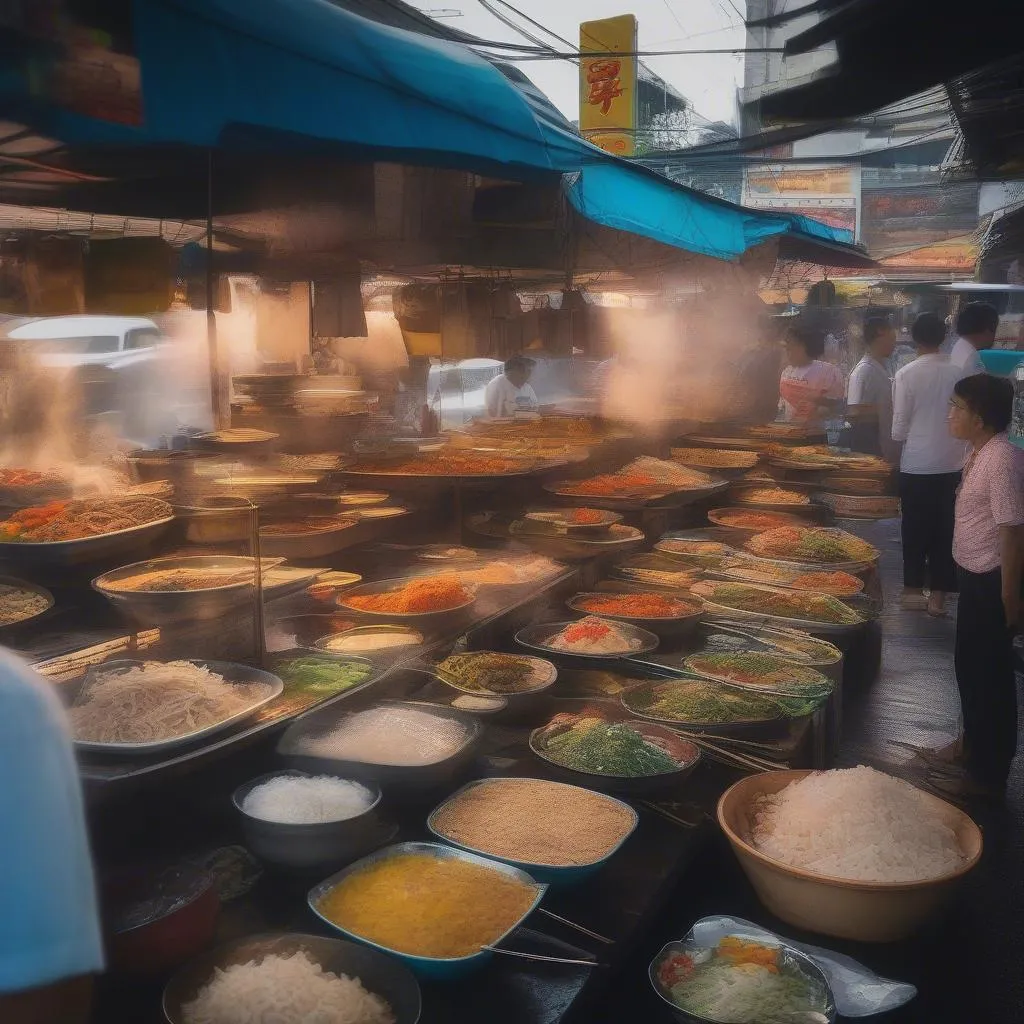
x=857 y=990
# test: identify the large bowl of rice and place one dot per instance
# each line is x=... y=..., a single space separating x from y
x=851 y=853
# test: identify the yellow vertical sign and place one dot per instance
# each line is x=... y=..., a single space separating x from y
x=608 y=83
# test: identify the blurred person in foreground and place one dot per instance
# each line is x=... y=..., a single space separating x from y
x=869 y=396
x=510 y=392
x=976 y=326
x=930 y=467
x=809 y=388
x=50 y=942
x=988 y=545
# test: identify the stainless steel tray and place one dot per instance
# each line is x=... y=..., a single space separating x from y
x=232 y=672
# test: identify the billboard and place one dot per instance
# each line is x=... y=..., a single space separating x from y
x=828 y=193
x=608 y=106
x=896 y=219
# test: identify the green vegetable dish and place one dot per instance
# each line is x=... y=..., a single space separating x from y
x=786 y=604
x=593 y=744
x=740 y=982
x=767 y=673
x=321 y=675
x=490 y=672
x=702 y=702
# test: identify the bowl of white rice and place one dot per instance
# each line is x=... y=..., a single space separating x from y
x=292 y=979
x=297 y=820
x=852 y=853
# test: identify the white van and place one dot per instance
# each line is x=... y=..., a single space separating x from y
x=70 y=341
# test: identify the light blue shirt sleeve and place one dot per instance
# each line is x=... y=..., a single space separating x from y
x=49 y=920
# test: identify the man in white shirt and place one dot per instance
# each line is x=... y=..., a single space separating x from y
x=930 y=466
x=869 y=395
x=976 y=327
x=510 y=392
x=50 y=940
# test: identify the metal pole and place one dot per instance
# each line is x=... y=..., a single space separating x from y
x=211 y=316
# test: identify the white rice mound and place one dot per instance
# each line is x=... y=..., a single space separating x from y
x=857 y=824
x=285 y=990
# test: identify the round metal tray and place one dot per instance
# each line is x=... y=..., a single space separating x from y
x=536 y=637
x=406 y=618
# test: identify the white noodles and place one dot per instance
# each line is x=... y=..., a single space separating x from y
x=858 y=824
x=158 y=700
x=405 y=736
x=285 y=990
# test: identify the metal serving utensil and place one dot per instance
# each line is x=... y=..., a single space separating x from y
x=545 y=959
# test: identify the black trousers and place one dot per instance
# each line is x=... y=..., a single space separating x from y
x=985 y=678
x=928 y=502
x=863 y=437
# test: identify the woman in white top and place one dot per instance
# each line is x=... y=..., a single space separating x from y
x=809 y=387
x=509 y=392
x=930 y=468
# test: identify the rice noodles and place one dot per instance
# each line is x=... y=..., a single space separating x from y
x=154 y=700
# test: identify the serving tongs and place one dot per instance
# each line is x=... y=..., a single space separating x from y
x=580 y=961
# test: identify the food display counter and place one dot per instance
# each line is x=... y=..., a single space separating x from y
x=537 y=628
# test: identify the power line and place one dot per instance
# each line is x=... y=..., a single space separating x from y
x=675 y=17
x=553 y=55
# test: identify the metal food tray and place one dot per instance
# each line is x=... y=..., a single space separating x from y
x=718 y=728
x=232 y=673
x=671 y=498
x=407 y=618
x=157 y=607
x=310 y=544
x=413 y=778
x=85 y=549
x=789 y=563
x=424 y=966
x=34 y=588
x=604 y=782
x=542 y=872
x=535 y=637
x=813 y=508
x=662 y=626
x=805 y=625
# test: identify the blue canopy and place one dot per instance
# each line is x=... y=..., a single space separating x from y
x=630 y=198
x=218 y=72
x=269 y=73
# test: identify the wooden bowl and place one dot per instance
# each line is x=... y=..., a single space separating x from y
x=862 y=911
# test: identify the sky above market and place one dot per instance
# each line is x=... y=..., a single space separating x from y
x=709 y=81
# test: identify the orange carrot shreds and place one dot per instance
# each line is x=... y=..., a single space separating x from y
x=431 y=594
x=586 y=516
x=586 y=629
x=449 y=463
x=640 y=606
x=424 y=905
x=75 y=520
x=828 y=582
x=615 y=484
x=775 y=496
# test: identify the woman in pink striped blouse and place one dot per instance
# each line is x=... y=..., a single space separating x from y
x=988 y=546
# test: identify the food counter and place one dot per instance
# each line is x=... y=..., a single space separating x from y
x=562 y=640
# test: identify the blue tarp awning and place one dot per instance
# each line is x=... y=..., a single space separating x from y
x=247 y=73
x=630 y=198
x=214 y=69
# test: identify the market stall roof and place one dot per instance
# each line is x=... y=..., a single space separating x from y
x=633 y=199
x=304 y=77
